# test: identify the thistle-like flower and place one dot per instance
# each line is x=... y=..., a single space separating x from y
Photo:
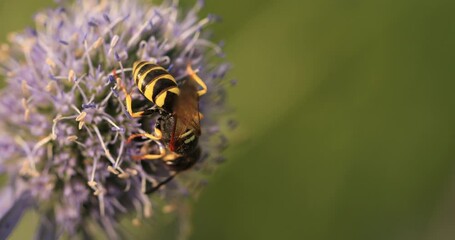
x=64 y=124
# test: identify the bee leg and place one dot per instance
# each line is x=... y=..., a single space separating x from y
x=149 y=156
x=128 y=99
x=129 y=108
x=151 y=111
x=161 y=154
x=198 y=80
x=155 y=137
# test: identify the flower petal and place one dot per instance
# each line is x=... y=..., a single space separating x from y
x=12 y=209
x=46 y=229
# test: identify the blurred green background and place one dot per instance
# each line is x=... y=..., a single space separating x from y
x=347 y=120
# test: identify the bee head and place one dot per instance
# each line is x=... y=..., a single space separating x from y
x=184 y=161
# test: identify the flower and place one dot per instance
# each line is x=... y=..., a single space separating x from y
x=63 y=119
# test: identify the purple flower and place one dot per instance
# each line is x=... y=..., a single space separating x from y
x=64 y=123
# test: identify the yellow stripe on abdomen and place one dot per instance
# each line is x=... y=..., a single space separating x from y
x=150 y=89
x=161 y=99
x=143 y=76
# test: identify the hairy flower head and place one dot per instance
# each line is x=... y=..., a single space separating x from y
x=64 y=123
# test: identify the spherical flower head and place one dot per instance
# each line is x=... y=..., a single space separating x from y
x=64 y=124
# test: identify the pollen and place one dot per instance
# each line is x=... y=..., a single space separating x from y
x=124 y=175
x=71 y=75
x=25 y=89
x=136 y=222
x=71 y=138
x=51 y=87
x=4 y=52
x=51 y=63
x=81 y=119
x=97 y=43
x=168 y=208
x=92 y=184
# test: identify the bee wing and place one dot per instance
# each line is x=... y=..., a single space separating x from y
x=187 y=110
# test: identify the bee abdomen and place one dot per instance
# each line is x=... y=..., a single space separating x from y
x=156 y=84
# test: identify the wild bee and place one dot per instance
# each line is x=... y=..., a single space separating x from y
x=178 y=124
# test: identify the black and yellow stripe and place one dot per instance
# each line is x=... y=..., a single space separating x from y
x=156 y=84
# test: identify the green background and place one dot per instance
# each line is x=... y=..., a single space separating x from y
x=346 y=113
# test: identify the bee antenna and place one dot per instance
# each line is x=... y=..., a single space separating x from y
x=168 y=179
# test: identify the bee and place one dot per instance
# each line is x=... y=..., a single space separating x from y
x=178 y=124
